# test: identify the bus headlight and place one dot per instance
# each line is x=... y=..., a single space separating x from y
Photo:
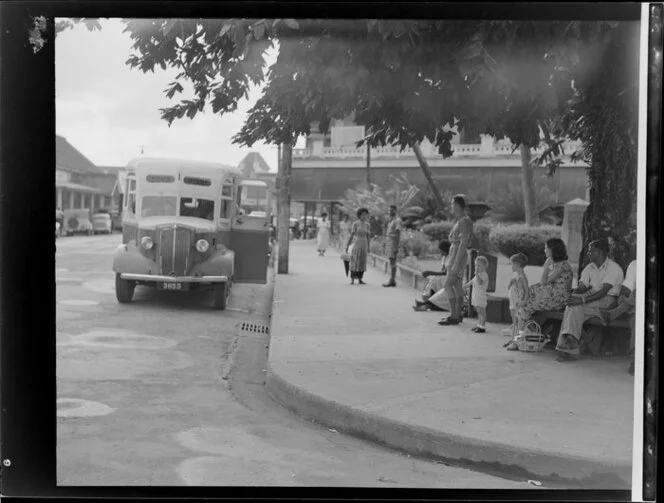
x=202 y=245
x=147 y=243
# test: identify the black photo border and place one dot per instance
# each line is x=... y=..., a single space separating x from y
x=27 y=271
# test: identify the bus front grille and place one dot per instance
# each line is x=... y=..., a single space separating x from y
x=174 y=250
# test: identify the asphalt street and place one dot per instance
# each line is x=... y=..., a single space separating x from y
x=166 y=391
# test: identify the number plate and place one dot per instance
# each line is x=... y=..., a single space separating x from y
x=172 y=286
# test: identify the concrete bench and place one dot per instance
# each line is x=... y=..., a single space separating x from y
x=543 y=317
x=622 y=323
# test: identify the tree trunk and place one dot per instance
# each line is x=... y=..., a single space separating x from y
x=528 y=183
x=284 y=177
x=427 y=174
x=611 y=214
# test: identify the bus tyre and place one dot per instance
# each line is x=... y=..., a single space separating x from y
x=220 y=296
x=124 y=289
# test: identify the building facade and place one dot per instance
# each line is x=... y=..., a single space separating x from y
x=78 y=182
x=480 y=166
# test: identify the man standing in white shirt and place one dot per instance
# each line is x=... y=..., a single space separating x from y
x=598 y=289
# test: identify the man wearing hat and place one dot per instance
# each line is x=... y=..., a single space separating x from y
x=598 y=289
x=393 y=235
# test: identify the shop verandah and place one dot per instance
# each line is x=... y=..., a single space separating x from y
x=71 y=195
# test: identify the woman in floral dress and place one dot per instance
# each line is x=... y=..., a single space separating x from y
x=551 y=293
x=359 y=236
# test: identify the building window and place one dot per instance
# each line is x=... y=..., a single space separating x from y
x=470 y=136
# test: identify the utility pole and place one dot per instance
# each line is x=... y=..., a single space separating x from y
x=368 y=166
x=277 y=184
x=284 y=196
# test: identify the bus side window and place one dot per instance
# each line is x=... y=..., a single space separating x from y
x=131 y=195
x=225 y=209
x=226 y=206
x=238 y=201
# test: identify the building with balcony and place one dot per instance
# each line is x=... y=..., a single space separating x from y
x=78 y=182
x=330 y=164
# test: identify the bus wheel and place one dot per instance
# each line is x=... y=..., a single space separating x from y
x=124 y=289
x=220 y=296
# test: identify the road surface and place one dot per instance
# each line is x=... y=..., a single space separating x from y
x=166 y=391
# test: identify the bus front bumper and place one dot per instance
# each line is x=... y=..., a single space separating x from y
x=174 y=279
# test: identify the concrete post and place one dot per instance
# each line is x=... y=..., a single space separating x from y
x=317 y=148
x=486 y=145
x=572 y=232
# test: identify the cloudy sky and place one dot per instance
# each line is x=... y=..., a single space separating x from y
x=108 y=111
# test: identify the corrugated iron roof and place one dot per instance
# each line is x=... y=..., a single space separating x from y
x=100 y=181
x=79 y=187
x=68 y=158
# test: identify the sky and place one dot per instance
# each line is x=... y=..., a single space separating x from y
x=108 y=111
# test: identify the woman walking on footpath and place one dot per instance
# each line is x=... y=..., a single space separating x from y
x=323 y=238
x=359 y=236
x=344 y=229
x=460 y=238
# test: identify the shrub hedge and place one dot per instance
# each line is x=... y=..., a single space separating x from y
x=438 y=231
x=481 y=231
x=511 y=239
x=416 y=243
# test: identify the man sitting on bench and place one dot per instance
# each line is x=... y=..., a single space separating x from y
x=626 y=303
x=598 y=289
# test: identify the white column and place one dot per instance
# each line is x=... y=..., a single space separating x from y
x=486 y=146
x=59 y=197
x=317 y=148
x=71 y=199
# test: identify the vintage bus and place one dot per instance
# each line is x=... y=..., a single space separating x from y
x=191 y=225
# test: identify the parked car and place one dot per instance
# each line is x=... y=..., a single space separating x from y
x=102 y=223
x=77 y=222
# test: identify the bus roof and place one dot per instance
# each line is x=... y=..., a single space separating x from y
x=149 y=163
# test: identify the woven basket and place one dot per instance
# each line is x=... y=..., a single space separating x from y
x=532 y=340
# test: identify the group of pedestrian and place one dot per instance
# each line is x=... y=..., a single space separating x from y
x=603 y=290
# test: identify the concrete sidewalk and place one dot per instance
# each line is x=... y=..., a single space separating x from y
x=359 y=359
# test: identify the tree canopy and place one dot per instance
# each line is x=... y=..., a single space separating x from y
x=403 y=80
x=530 y=81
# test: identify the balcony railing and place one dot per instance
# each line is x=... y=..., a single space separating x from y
x=497 y=149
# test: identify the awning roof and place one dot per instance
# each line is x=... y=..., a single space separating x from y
x=76 y=186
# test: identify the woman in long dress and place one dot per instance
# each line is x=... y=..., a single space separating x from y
x=460 y=238
x=551 y=293
x=344 y=230
x=359 y=236
x=323 y=238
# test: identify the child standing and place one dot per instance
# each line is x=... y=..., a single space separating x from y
x=518 y=294
x=480 y=283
